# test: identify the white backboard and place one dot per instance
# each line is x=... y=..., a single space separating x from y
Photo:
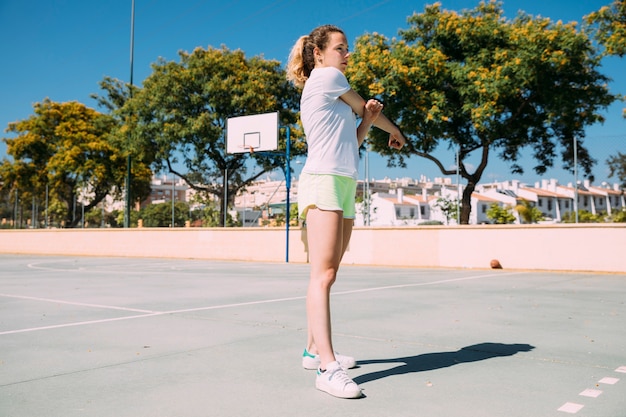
x=254 y=133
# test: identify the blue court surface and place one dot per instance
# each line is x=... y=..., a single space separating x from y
x=132 y=337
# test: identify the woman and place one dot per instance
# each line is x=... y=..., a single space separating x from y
x=327 y=185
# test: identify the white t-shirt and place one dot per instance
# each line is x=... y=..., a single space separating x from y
x=329 y=125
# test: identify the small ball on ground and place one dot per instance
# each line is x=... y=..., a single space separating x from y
x=495 y=264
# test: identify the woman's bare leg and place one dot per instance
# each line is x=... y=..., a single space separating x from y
x=328 y=237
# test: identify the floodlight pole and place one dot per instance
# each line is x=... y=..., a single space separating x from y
x=128 y=160
x=288 y=186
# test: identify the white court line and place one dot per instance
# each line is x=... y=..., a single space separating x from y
x=609 y=380
x=80 y=323
x=590 y=392
x=571 y=408
x=95 y=270
x=421 y=284
x=50 y=300
x=249 y=303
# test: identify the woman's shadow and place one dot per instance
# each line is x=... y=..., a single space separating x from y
x=438 y=360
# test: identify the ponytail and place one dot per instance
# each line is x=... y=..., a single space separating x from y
x=296 y=72
x=301 y=59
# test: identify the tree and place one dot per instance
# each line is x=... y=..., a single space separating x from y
x=528 y=212
x=500 y=215
x=609 y=24
x=448 y=207
x=65 y=147
x=617 y=167
x=160 y=215
x=584 y=216
x=183 y=108
x=117 y=94
x=482 y=85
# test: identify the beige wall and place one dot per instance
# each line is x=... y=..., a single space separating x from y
x=578 y=247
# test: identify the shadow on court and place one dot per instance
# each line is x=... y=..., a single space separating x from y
x=439 y=360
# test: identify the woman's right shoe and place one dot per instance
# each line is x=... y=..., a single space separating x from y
x=336 y=382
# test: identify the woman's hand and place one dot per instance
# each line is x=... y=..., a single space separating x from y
x=373 y=108
x=396 y=140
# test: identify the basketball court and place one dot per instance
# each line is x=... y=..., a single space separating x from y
x=157 y=337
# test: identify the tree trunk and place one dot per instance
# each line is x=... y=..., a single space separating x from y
x=466 y=202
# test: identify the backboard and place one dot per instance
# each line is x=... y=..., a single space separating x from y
x=254 y=133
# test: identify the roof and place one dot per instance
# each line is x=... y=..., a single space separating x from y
x=404 y=202
x=481 y=197
x=609 y=191
x=543 y=193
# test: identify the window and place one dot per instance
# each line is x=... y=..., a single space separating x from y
x=540 y=202
x=397 y=212
x=549 y=205
x=412 y=211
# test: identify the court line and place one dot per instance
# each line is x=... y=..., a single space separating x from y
x=80 y=323
x=422 y=284
x=224 y=306
x=50 y=300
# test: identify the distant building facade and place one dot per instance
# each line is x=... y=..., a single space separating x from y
x=408 y=202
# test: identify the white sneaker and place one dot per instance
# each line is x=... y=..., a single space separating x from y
x=311 y=361
x=335 y=381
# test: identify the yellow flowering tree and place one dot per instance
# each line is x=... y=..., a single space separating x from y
x=67 y=149
x=609 y=24
x=483 y=85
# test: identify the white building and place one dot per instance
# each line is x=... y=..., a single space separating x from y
x=405 y=202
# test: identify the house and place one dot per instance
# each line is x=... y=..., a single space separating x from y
x=394 y=209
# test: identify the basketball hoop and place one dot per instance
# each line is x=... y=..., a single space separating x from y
x=254 y=133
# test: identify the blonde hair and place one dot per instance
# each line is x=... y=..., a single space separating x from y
x=302 y=59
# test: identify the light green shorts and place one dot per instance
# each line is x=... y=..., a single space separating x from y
x=326 y=192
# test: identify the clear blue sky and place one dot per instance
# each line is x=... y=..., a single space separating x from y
x=61 y=50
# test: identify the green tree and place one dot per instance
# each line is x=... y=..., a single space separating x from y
x=480 y=84
x=449 y=208
x=617 y=167
x=500 y=215
x=116 y=95
x=609 y=28
x=609 y=25
x=160 y=215
x=584 y=216
x=619 y=216
x=65 y=147
x=183 y=108
x=528 y=212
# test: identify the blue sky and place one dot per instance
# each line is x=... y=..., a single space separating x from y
x=62 y=49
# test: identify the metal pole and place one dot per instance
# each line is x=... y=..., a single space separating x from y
x=225 y=195
x=458 y=186
x=366 y=190
x=288 y=185
x=173 y=197
x=128 y=160
x=576 y=179
x=15 y=210
x=46 y=220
